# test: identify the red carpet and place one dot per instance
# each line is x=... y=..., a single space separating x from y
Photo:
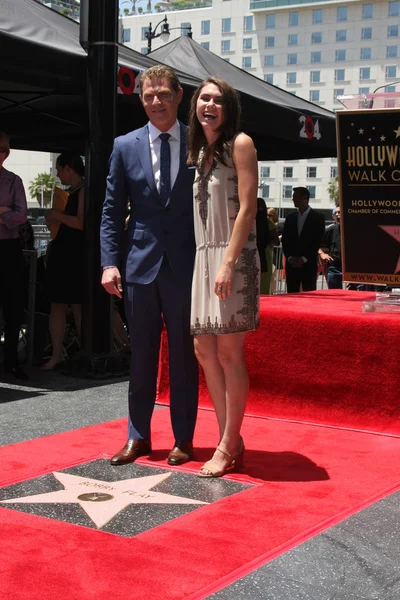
x=306 y=479
x=317 y=358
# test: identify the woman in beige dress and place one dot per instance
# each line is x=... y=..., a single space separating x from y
x=225 y=291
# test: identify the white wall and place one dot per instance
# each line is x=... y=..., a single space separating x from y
x=28 y=165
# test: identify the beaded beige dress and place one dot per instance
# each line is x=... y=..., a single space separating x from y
x=216 y=205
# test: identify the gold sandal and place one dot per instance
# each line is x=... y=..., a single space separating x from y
x=236 y=461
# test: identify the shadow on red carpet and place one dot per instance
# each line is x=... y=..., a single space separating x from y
x=305 y=478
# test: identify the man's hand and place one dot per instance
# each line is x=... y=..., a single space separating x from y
x=111 y=281
x=5 y=209
x=296 y=261
x=325 y=257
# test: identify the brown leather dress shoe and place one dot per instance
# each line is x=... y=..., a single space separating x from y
x=181 y=453
x=131 y=451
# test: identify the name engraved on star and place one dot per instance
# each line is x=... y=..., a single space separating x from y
x=101 y=486
x=138 y=494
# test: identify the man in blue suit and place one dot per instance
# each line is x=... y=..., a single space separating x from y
x=148 y=166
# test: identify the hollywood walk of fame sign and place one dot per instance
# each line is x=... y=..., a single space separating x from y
x=369 y=184
x=88 y=495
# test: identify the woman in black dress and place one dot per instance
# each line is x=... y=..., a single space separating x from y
x=65 y=259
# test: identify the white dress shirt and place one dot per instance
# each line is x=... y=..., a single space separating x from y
x=155 y=150
x=301 y=219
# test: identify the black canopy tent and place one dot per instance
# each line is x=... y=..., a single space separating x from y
x=282 y=125
x=43 y=80
x=42 y=89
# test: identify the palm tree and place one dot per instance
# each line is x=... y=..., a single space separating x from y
x=42 y=188
x=333 y=190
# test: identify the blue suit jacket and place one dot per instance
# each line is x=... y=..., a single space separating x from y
x=154 y=228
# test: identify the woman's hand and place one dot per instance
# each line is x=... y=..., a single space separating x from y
x=223 y=282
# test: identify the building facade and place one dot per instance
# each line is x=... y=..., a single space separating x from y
x=318 y=50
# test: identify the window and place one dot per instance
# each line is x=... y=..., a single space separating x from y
x=126 y=36
x=365 y=73
x=341 y=13
x=144 y=50
x=246 y=62
x=292 y=59
x=269 y=78
x=339 y=74
x=314 y=95
x=315 y=76
x=265 y=172
x=226 y=25
x=248 y=23
x=316 y=37
x=311 y=172
x=393 y=31
x=247 y=43
x=315 y=57
x=227 y=59
x=205 y=27
x=270 y=41
x=293 y=19
x=288 y=172
x=340 y=55
x=368 y=11
x=391 y=88
x=363 y=90
x=270 y=22
x=205 y=45
x=265 y=191
x=269 y=60
x=391 y=51
x=365 y=53
x=341 y=35
x=337 y=92
x=317 y=16
x=391 y=72
x=366 y=33
x=334 y=172
x=226 y=46
x=313 y=191
x=144 y=31
x=291 y=78
x=394 y=9
x=293 y=39
x=186 y=28
x=287 y=192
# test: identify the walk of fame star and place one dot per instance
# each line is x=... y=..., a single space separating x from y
x=103 y=500
x=394 y=231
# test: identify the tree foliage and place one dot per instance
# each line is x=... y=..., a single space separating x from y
x=42 y=188
x=333 y=190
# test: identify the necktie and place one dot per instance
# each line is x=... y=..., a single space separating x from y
x=165 y=168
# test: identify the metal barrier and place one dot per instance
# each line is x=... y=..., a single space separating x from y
x=278 y=279
x=42 y=238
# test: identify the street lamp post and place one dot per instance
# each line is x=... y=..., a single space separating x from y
x=164 y=33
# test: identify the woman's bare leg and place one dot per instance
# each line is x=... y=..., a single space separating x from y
x=57 y=330
x=205 y=347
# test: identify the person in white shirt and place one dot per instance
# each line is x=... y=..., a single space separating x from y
x=149 y=166
x=302 y=236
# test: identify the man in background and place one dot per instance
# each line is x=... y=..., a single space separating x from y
x=302 y=237
x=13 y=212
x=331 y=252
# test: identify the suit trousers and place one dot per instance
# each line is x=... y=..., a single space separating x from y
x=147 y=307
x=11 y=297
x=305 y=276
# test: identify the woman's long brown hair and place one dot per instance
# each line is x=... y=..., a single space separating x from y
x=228 y=128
